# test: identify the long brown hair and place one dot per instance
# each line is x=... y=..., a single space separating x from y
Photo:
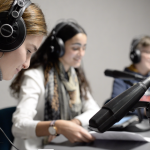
x=48 y=60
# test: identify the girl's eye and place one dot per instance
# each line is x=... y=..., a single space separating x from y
x=29 y=51
x=147 y=52
x=75 y=48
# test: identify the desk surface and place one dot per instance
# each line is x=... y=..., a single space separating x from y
x=61 y=143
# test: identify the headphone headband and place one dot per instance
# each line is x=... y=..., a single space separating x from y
x=59 y=28
x=18 y=8
x=135 y=43
x=12 y=26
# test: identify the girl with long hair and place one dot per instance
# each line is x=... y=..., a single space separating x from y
x=54 y=94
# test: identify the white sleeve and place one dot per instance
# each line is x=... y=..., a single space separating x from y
x=23 y=123
x=90 y=108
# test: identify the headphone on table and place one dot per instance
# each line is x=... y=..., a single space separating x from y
x=57 y=45
x=135 y=53
x=12 y=26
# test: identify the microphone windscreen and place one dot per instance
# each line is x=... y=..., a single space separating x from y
x=108 y=73
x=123 y=75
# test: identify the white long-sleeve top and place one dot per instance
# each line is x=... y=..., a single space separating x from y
x=30 y=110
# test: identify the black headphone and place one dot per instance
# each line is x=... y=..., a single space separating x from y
x=57 y=44
x=12 y=26
x=135 y=53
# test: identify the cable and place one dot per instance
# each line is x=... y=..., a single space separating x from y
x=8 y=139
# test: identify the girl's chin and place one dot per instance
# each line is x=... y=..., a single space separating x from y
x=77 y=65
x=8 y=77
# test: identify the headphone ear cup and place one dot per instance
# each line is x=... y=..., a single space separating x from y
x=60 y=49
x=135 y=56
x=11 y=43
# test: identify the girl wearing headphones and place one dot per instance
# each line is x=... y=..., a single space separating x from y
x=22 y=28
x=54 y=94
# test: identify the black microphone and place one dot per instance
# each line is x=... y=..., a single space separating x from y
x=123 y=75
x=118 y=107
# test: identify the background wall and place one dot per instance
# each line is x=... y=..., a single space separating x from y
x=110 y=26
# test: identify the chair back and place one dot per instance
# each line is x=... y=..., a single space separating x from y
x=6 y=125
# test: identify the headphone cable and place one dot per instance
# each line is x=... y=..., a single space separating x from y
x=8 y=139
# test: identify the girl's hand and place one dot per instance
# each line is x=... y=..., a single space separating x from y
x=50 y=138
x=76 y=121
x=73 y=132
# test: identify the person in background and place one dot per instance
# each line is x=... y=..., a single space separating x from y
x=54 y=94
x=15 y=52
x=140 y=57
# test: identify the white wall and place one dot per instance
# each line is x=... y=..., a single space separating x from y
x=110 y=26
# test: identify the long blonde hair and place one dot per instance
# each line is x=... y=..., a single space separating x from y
x=32 y=16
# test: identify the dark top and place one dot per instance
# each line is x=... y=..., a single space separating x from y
x=121 y=85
